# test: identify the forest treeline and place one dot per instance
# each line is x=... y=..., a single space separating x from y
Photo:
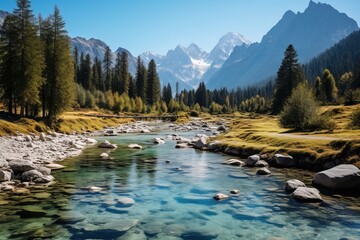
x=41 y=75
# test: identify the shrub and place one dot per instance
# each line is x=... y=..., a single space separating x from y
x=300 y=108
x=355 y=118
x=352 y=97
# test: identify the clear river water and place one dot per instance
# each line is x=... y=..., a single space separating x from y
x=144 y=196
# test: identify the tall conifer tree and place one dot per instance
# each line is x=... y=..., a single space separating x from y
x=107 y=68
x=288 y=77
x=153 y=84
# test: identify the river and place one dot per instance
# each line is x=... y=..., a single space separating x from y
x=161 y=192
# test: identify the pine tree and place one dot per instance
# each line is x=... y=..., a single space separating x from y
x=132 y=87
x=153 y=84
x=288 y=77
x=107 y=68
x=318 y=88
x=29 y=57
x=329 y=87
x=140 y=80
x=117 y=80
x=60 y=67
x=124 y=72
x=76 y=64
x=8 y=52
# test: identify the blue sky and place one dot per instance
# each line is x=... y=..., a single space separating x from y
x=160 y=25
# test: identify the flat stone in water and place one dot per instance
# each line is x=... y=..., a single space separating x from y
x=32 y=212
x=71 y=217
x=238 y=175
x=4 y=202
x=42 y=195
x=114 y=209
x=125 y=201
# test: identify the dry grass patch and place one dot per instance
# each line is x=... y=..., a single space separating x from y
x=254 y=133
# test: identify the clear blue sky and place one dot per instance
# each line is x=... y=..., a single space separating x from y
x=160 y=25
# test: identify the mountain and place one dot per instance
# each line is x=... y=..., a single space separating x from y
x=190 y=65
x=319 y=27
x=3 y=15
x=96 y=48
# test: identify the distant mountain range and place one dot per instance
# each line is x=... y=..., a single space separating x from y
x=235 y=61
x=319 y=27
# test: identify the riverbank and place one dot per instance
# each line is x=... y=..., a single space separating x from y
x=250 y=134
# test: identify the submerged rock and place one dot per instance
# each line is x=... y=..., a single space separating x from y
x=126 y=201
x=182 y=145
x=261 y=163
x=293 y=184
x=344 y=176
x=157 y=141
x=104 y=155
x=305 y=194
x=235 y=191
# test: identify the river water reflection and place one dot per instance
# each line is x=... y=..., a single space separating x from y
x=145 y=197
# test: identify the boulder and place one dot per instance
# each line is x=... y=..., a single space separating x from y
x=235 y=162
x=126 y=201
x=285 y=161
x=46 y=179
x=201 y=143
x=104 y=155
x=157 y=141
x=235 y=191
x=252 y=160
x=134 y=146
x=220 y=196
x=232 y=151
x=344 y=176
x=261 y=163
x=21 y=165
x=293 y=184
x=5 y=176
x=305 y=194
x=107 y=144
x=214 y=146
x=263 y=171
x=44 y=170
x=32 y=175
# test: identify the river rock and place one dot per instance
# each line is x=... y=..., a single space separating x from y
x=3 y=163
x=221 y=128
x=214 y=146
x=71 y=217
x=261 y=163
x=21 y=165
x=263 y=171
x=90 y=141
x=285 y=161
x=47 y=179
x=235 y=162
x=235 y=191
x=251 y=160
x=28 y=138
x=32 y=175
x=182 y=145
x=157 y=141
x=134 y=146
x=344 y=176
x=104 y=155
x=126 y=201
x=305 y=194
x=42 y=137
x=5 y=176
x=54 y=166
x=220 y=196
x=232 y=151
x=293 y=184
x=44 y=170
x=107 y=144
x=201 y=143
